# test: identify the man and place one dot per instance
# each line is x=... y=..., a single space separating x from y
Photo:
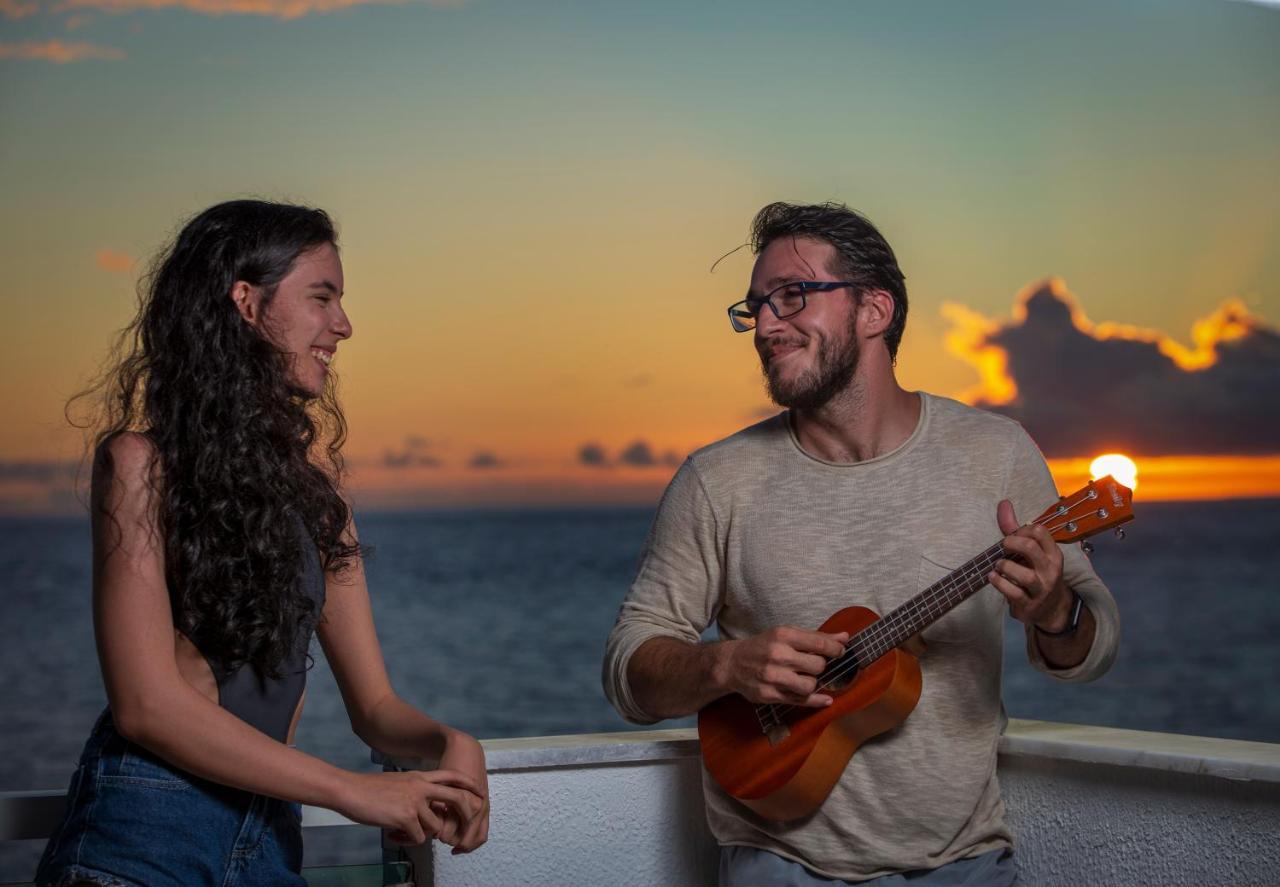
x=861 y=493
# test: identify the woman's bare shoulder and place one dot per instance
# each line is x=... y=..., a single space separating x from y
x=125 y=453
x=124 y=464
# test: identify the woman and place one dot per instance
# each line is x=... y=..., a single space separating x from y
x=220 y=543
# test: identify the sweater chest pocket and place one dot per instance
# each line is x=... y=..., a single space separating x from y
x=965 y=621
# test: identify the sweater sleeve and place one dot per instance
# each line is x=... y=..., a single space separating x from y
x=678 y=586
x=1031 y=489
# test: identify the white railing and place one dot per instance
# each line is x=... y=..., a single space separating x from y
x=1088 y=806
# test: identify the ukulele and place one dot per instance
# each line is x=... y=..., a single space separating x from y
x=782 y=760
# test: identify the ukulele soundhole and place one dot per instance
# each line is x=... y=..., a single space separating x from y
x=841 y=681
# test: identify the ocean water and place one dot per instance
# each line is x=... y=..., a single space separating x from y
x=495 y=622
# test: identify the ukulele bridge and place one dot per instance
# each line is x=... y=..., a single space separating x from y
x=776 y=734
x=772 y=725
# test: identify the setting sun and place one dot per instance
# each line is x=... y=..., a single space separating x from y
x=1122 y=468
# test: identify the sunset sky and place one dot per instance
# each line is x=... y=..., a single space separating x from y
x=1084 y=198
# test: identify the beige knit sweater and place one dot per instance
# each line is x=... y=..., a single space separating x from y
x=753 y=532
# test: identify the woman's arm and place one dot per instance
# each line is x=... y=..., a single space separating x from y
x=154 y=706
x=381 y=718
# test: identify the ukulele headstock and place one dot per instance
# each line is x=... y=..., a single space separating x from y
x=1097 y=506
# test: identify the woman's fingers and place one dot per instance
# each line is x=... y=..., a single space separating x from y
x=465 y=803
x=475 y=834
x=454 y=778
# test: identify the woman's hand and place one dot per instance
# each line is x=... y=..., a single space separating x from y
x=415 y=805
x=462 y=753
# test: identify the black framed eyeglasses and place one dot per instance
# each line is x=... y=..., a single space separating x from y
x=783 y=301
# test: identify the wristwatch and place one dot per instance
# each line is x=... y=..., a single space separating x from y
x=1072 y=624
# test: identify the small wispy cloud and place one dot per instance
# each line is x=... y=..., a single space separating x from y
x=15 y=9
x=593 y=454
x=58 y=51
x=416 y=453
x=483 y=459
x=280 y=9
x=110 y=260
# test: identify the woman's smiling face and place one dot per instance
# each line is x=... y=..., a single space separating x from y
x=305 y=318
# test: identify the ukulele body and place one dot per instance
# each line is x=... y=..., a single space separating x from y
x=789 y=774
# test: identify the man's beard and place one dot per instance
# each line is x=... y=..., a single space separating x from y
x=814 y=388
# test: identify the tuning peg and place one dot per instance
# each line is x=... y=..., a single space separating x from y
x=1086 y=547
x=1120 y=533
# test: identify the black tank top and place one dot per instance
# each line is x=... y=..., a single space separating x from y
x=269 y=704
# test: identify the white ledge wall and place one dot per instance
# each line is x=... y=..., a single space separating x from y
x=1088 y=806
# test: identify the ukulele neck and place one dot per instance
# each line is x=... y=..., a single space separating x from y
x=926 y=608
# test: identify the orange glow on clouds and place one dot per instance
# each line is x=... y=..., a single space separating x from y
x=58 y=52
x=966 y=339
x=281 y=9
x=116 y=263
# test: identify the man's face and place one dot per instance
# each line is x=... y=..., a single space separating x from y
x=811 y=356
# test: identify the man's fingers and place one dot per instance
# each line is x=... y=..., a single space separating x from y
x=1022 y=545
x=1005 y=518
x=1042 y=537
x=1016 y=573
x=828 y=645
x=783 y=696
x=1032 y=548
x=1014 y=594
x=805 y=663
x=817 y=700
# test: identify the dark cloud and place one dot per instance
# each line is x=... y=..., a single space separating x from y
x=482 y=459
x=638 y=454
x=414 y=454
x=1081 y=392
x=593 y=454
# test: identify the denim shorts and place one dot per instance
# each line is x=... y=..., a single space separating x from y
x=133 y=820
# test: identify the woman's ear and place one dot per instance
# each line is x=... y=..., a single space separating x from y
x=248 y=301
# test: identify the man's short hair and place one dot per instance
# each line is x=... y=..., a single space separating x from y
x=864 y=257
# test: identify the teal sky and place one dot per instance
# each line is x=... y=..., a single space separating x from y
x=511 y=174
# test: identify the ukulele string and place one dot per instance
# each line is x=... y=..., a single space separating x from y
x=844 y=663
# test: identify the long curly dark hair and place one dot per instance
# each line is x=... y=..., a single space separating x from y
x=244 y=460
